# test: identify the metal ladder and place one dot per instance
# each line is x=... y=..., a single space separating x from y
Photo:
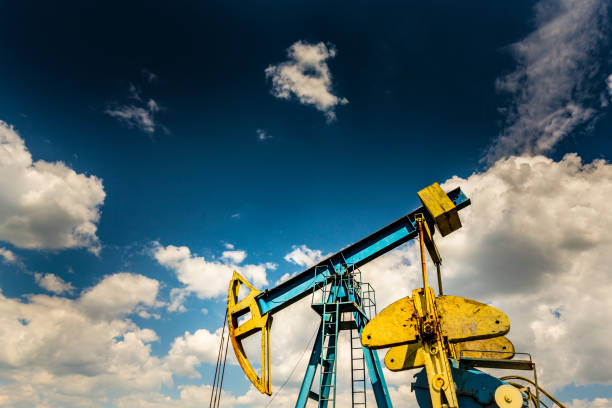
x=358 y=371
x=329 y=354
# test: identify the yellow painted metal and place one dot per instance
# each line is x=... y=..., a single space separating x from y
x=405 y=357
x=409 y=356
x=435 y=356
x=394 y=325
x=431 y=245
x=441 y=208
x=464 y=319
x=460 y=319
x=507 y=396
x=495 y=348
x=240 y=330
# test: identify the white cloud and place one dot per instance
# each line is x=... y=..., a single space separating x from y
x=8 y=256
x=594 y=403
x=306 y=76
x=191 y=350
x=303 y=256
x=135 y=116
x=57 y=353
x=234 y=256
x=53 y=283
x=45 y=205
x=553 y=88
x=119 y=294
x=262 y=135
x=207 y=279
x=139 y=114
x=609 y=83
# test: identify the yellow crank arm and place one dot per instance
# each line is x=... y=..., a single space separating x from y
x=238 y=332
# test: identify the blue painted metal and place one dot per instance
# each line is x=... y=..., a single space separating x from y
x=379 y=385
x=329 y=355
x=475 y=389
x=343 y=293
x=371 y=247
x=313 y=363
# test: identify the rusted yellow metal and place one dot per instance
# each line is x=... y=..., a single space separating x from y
x=460 y=319
x=431 y=245
x=239 y=331
x=409 y=356
x=441 y=208
x=464 y=319
x=435 y=356
x=495 y=348
x=394 y=325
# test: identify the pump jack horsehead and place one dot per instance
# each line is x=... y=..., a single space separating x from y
x=421 y=331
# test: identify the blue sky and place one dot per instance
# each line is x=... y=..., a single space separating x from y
x=171 y=143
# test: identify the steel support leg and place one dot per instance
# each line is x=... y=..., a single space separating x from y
x=379 y=385
x=313 y=363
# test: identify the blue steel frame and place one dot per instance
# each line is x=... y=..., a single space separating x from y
x=339 y=294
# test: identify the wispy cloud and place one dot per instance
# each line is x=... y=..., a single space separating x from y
x=140 y=112
x=307 y=77
x=555 y=87
x=262 y=135
x=142 y=118
x=134 y=92
x=148 y=75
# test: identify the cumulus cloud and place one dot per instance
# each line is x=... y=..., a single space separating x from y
x=53 y=283
x=553 y=87
x=59 y=352
x=303 y=256
x=206 y=279
x=119 y=294
x=234 y=256
x=45 y=205
x=306 y=76
x=191 y=350
x=8 y=256
x=594 y=403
